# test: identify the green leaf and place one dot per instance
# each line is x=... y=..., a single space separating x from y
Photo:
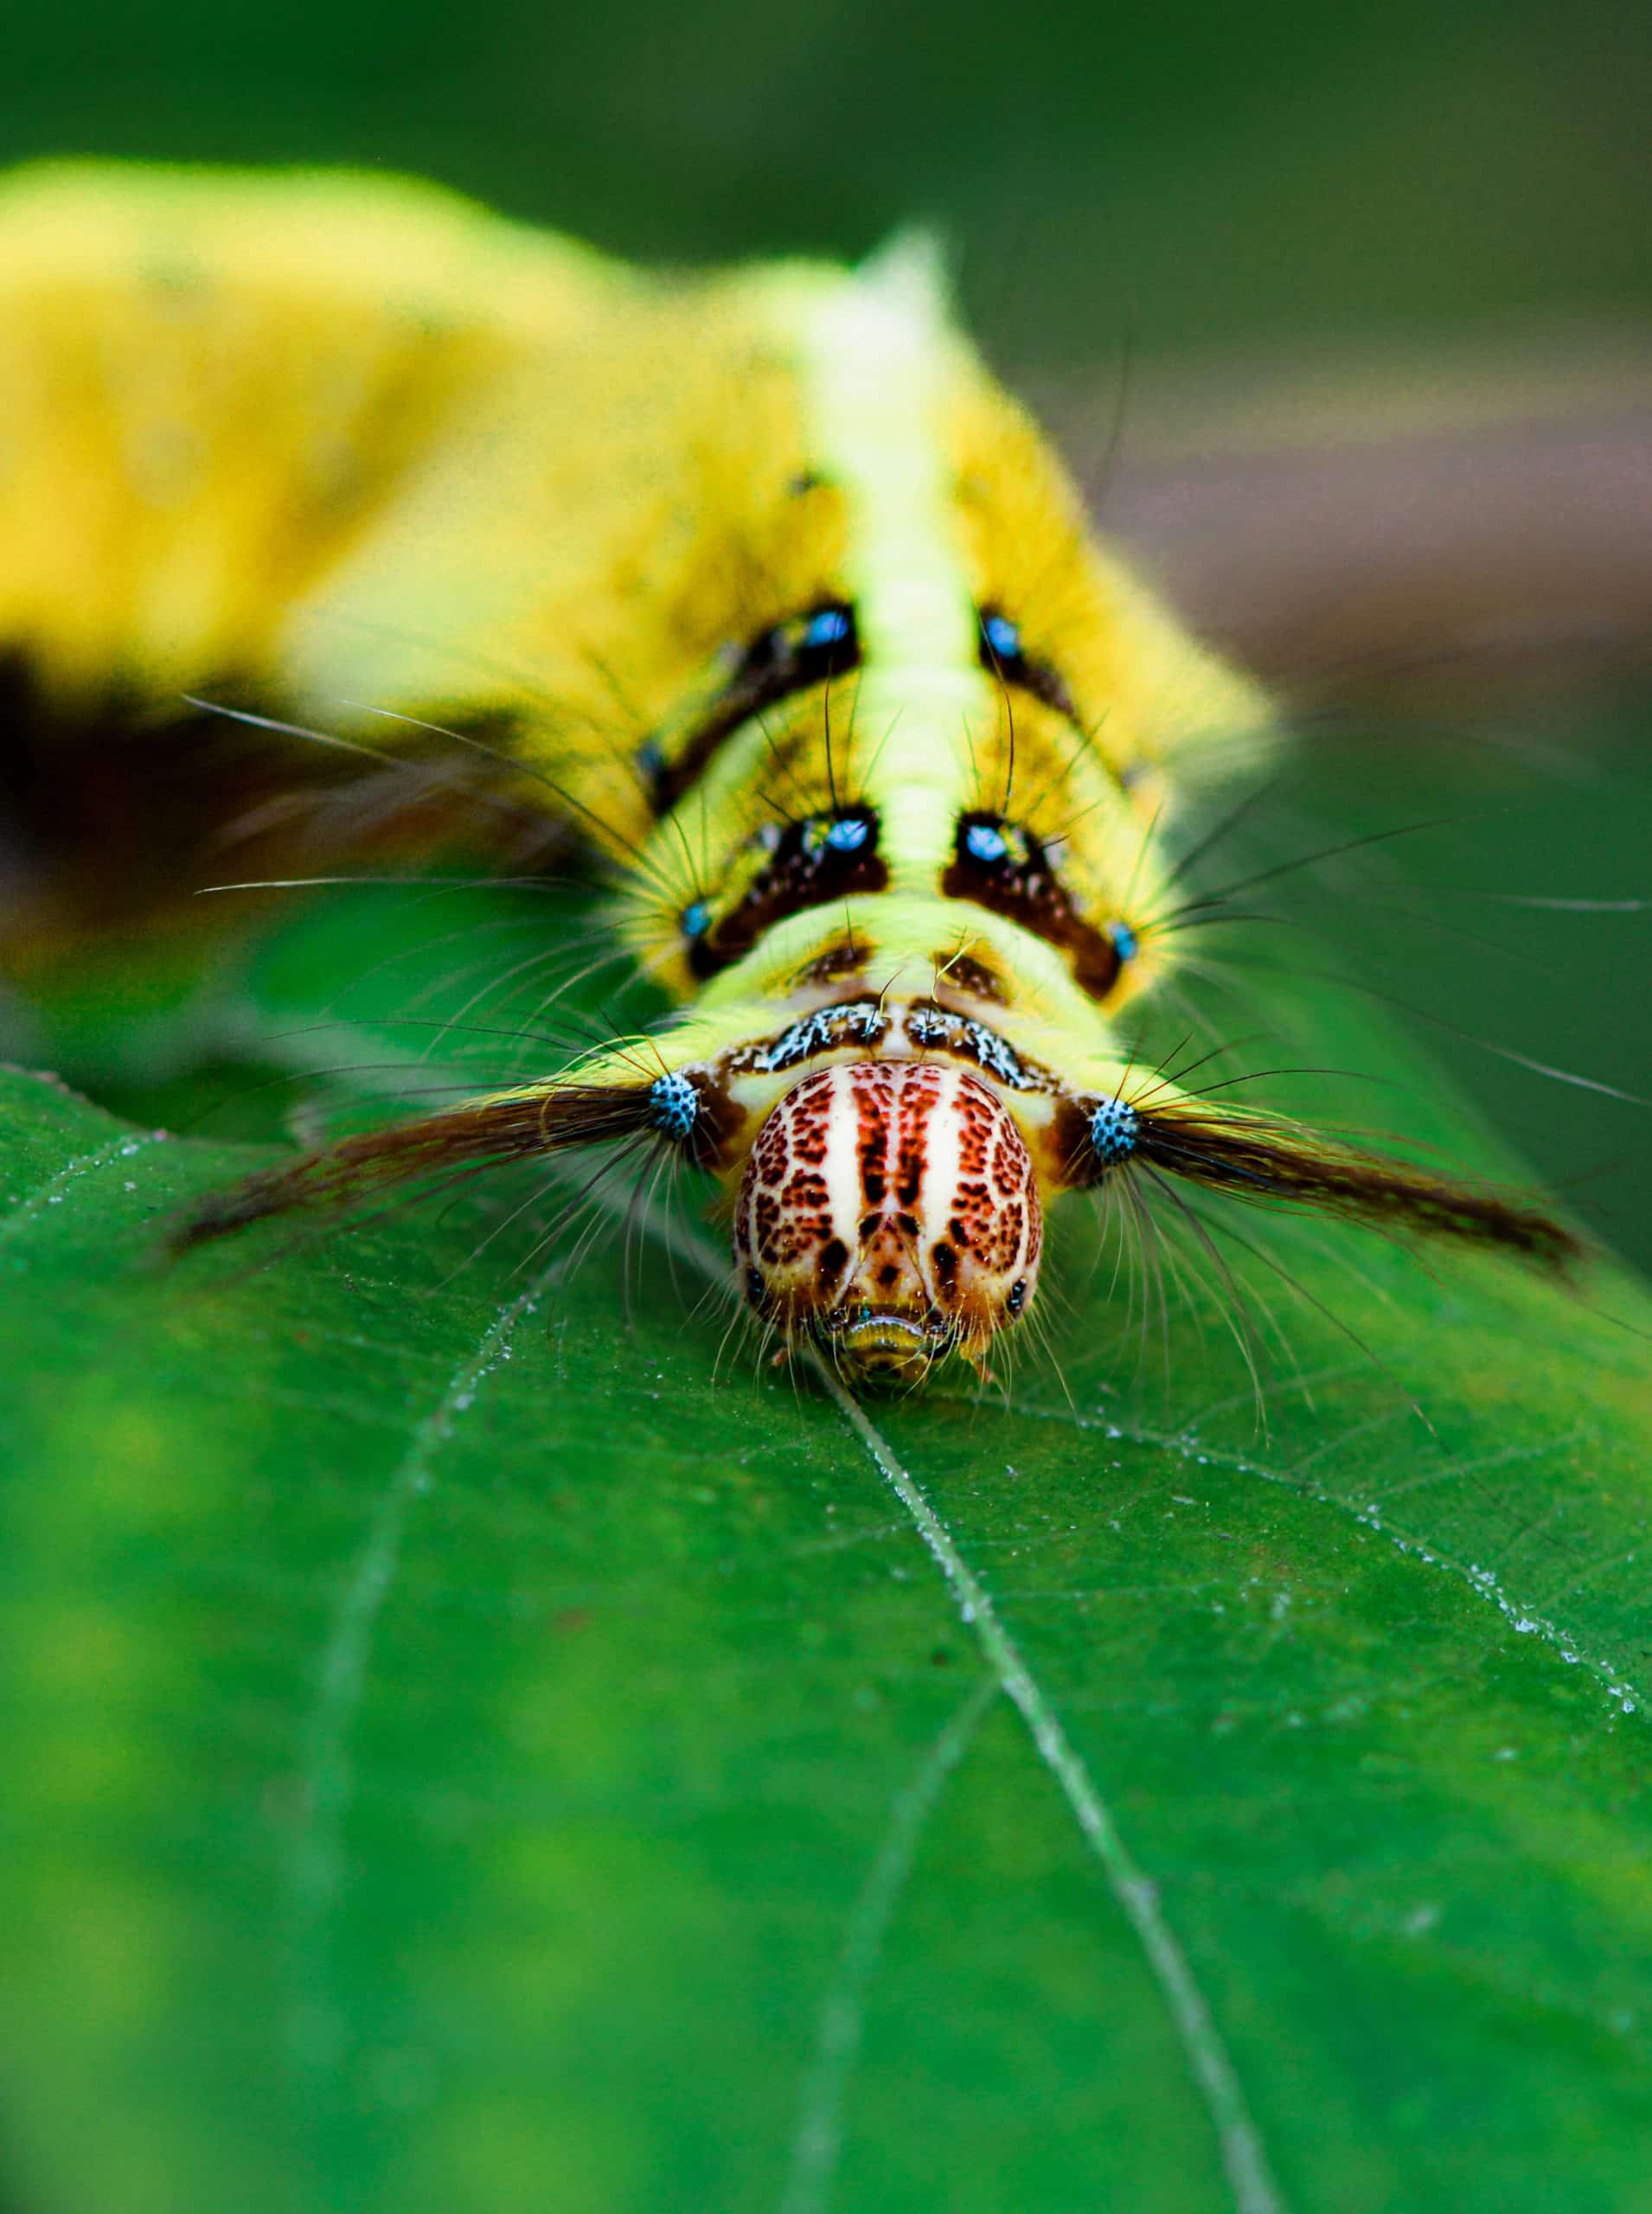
x=473 y=1743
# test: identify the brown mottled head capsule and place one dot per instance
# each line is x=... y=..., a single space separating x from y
x=890 y=1210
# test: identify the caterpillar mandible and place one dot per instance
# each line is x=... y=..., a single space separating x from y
x=822 y=660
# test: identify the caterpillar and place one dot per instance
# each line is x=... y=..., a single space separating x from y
x=766 y=596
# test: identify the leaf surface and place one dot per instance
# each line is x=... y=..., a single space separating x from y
x=474 y=1744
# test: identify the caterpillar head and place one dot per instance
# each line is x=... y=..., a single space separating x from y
x=889 y=1211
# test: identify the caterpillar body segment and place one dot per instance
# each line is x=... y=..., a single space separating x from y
x=758 y=585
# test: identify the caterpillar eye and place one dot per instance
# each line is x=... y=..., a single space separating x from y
x=889 y=1209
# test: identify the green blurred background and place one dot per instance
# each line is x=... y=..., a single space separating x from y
x=1234 y=174
x=1253 y=203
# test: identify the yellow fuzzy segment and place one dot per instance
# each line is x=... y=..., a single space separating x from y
x=1160 y=715
x=955 y=505
x=208 y=393
x=355 y=450
x=604 y=530
x=1161 y=710
x=356 y=442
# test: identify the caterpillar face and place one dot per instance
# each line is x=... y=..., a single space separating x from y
x=889 y=1209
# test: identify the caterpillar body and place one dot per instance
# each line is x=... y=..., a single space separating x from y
x=760 y=587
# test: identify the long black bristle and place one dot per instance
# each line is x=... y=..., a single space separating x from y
x=1261 y=1161
x=485 y=1133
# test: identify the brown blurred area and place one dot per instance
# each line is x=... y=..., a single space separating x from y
x=1401 y=541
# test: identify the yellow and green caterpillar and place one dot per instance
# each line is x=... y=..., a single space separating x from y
x=756 y=582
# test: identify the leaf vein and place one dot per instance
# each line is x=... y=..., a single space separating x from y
x=1243 y=2155
x=316 y=1870
x=55 y=1189
x=1627 y=1692
x=837 y=2036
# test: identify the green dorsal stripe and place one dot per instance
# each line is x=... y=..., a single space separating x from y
x=876 y=352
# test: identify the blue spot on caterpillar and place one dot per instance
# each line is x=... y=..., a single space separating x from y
x=1003 y=635
x=828 y=628
x=985 y=841
x=1114 y=1124
x=674 y=1106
